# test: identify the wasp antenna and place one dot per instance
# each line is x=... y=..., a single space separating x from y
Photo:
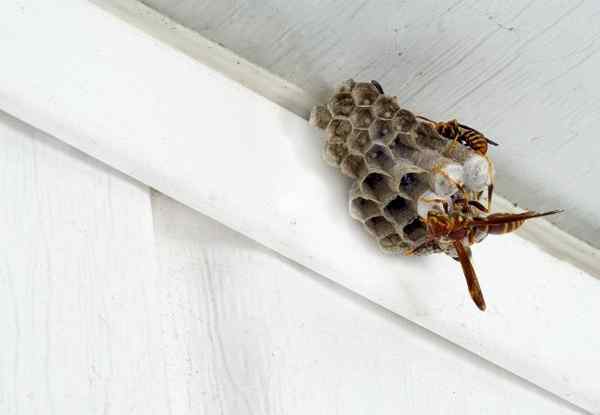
x=426 y=119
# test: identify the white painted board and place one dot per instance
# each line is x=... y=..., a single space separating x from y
x=227 y=152
x=78 y=325
x=249 y=332
x=524 y=72
x=89 y=324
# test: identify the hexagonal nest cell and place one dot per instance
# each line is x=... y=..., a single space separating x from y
x=380 y=156
x=341 y=105
x=377 y=187
x=400 y=150
x=413 y=184
x=364 y=209
x=359 y=141
x=428 y=137
x=399 y=210
x=339 y=128
x=406 y=139
x=393 y=243
x=335 y=152
x=361 y=118
x=386 y=107
x=404 y=121
x=415 y=230
x=364 y=94
x=320 y=117
x=379 y=226
x=381 y=130
x=393 y=158
x=354 y=166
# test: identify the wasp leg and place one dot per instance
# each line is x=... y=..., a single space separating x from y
x=491 y=185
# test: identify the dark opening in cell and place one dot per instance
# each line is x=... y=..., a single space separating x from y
x=408 y=179
x=415 y=230
x=379 y=226
x=364 y=208
x=376 y=185
x=399 y=210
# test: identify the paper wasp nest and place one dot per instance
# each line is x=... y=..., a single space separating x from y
x=400 y=165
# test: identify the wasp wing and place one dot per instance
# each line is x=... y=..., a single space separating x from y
x=500 y=218
x=466 y=127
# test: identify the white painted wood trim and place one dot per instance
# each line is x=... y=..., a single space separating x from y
x=187 y=130
x=266 y=336
x=220 y=326
x=80 y=331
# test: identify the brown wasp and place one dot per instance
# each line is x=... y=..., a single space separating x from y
x=463 y=134
x=461 y=231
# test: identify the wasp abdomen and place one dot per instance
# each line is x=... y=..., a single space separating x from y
x=501 y=228
x=476 y=141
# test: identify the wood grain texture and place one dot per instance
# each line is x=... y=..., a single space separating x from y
x=248 y=332
x=79 y=330
x=523 y=72
x=159 y=132
x=549 y=237
x=90 y=325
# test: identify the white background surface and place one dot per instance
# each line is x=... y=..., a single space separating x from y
x=523 y=72
x=114 y=301
x=104 y=90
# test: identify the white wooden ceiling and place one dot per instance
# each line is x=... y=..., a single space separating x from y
x=526 y=73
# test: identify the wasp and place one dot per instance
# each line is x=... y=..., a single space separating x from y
x=463 y=134
x=461 y=231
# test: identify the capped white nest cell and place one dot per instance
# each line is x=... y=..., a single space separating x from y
x=401 y=166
